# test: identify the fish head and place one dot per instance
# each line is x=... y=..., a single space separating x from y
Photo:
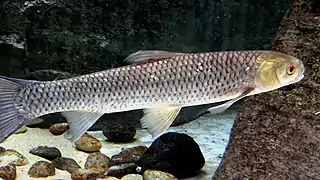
x=276 y=70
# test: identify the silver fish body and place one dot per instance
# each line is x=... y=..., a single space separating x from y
x=158 y=81
x=183 y=79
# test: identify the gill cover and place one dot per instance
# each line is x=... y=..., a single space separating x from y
x=267 y=72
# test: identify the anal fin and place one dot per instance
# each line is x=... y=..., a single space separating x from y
x=79 y=122
x=159 y=118
x=223 y=107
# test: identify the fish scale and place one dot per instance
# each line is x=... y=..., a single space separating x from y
x=159 y=82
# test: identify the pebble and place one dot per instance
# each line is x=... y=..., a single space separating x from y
x=41 y=169
x=8 y=172
x=158 y=175
x=66 y=164
x=85 y=174
x=80 y=174
x=49 y=153
x=129 y=155
x=59 y=128
x=121 y=170
x=117 y=132
x=88 y=143
x=98 y=161
x=23 y=129
x=94 y=176
x=132 y=177
x=13 y=157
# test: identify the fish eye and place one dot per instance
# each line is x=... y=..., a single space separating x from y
x=291 y=69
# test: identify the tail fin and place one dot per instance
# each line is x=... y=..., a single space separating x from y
x=10 y=118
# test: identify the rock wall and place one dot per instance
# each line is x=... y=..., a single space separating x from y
x=277 y=135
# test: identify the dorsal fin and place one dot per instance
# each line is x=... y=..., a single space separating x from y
x=145 y=56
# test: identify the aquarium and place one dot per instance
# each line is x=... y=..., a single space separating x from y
x=159 y=89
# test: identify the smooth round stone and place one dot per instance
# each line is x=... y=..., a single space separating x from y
x=59 y=128
x=98 y=161
x=88 y=143
x=159 y=175
x=132 y=177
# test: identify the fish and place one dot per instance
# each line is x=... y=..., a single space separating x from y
x=159 y=82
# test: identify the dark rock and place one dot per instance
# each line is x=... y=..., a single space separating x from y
x=66 y=164
x=8 y=172
x=88 y=143
x=41 y=169
x=276 y=135
x=129 y=155
x=59 y=128
x=98 y=161
x=123 y=118
x=121 y=170
x=46 y=152
x=152 y=174
x=117 y=132
x=12 y=157
x=175 y=153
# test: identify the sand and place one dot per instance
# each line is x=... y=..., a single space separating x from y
x=211 y=132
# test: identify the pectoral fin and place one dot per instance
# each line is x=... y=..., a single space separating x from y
x=159 y=118
x=79 y=122
x=221 y=108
